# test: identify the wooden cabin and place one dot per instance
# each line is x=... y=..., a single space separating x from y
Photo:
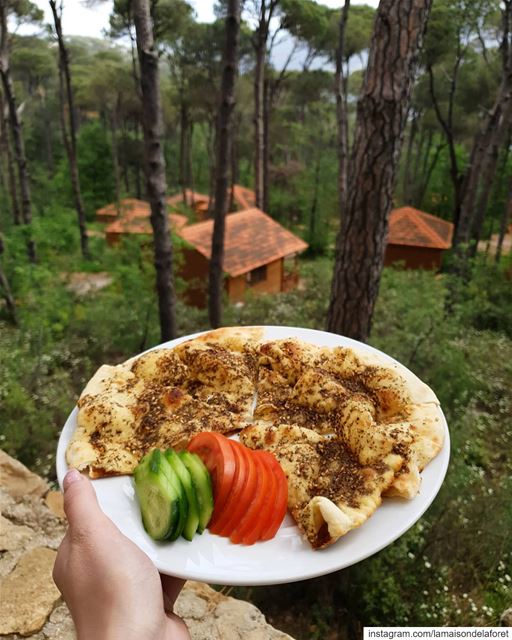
x=417 y=239
x=138 y=223
x=198 y=202
x=260 y=256
x=126 y=206
x=242 y=197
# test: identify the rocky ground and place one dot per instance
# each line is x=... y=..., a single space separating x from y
x=32 y=524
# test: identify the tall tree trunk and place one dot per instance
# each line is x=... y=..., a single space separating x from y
x=138 y=186
x=115 y=155
x=446 y=122
x=72 y=146
x=314 y=203
x=407 y=195
x=260 y=46
x=225 y=132
x=5 y=145
x=506 y=217
x=5 y=289
x=267 y=109
x=234 y=162
x=341 y=110
x=155 y=166
x=483 y=158
x=426 y=175
x=17 y=133
x=189 y=163
x=184 y=126
x=212 y=178
x=381 y=115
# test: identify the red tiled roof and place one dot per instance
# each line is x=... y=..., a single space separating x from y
x=252 y=239
x=192 y=196
x=408 y=226
x=127 y=205
x=244 y=197
x=138 y=222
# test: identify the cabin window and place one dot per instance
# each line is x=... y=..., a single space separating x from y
x=257 y=275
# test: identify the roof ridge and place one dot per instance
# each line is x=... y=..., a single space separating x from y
x=431 y=232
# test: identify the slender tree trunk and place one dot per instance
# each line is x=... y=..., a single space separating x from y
x=267 y=110
x=225 y=132
x=314 y=203
x=212 y=178
x=138 y=186
x=234 y=162
x=483 y=158
x=446 y=123
x=506 y=217
x=155 y=166
x=407 y=195
x=48 y=138
x=259 y=105
x=115 y=156
x=184 y=126
x=5 y=289
x=189 y=163
x=71 y=147
x=341 y=110
x=486 y=183
x=381 y=115
x=17 y=133
x=7 y=155
x=420 y=195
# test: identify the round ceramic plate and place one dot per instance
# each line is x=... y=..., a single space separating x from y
x=286 y=558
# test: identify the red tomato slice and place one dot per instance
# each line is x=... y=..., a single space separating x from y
x=241 y=502
x=219 y=518
x=215 y=451
x=281 y=499
x=266 y=514
x=250 y=519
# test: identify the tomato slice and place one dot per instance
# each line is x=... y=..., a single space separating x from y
x=281 y=503
x=266 y=513
x=251 y=519
x=236 y=490
x=215 y=451
x=239 y=500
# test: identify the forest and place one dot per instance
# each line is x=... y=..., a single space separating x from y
x=333 y=117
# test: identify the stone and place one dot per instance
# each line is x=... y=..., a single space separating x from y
x=506 y=618
x=211 y=615
x=28 y=593
x=55 y=502
x=13 y=536
x=18 y=481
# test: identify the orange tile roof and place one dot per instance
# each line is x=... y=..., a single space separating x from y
x=139 y=223
x=127 y=205
x=192 y=196
x=244 y=197
x=252 y=239
x=408 y=226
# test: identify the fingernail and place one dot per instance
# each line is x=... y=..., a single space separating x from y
x=71 y=476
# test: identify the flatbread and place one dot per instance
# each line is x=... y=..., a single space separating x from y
x=161 y=399
x=329 y=491
x=374 y=405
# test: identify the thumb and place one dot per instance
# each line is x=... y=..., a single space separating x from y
x=80 y=502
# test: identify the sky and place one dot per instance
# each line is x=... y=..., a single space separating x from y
x=80 y=20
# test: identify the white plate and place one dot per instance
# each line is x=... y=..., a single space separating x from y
x=286 y=558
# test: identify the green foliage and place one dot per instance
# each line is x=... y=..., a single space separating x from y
x=95 y=168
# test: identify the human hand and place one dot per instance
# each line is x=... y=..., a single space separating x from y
x=111 y=587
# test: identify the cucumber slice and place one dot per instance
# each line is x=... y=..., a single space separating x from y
x=182 y=497
x=158 y=498
x=202 y=485
x=183 y=474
